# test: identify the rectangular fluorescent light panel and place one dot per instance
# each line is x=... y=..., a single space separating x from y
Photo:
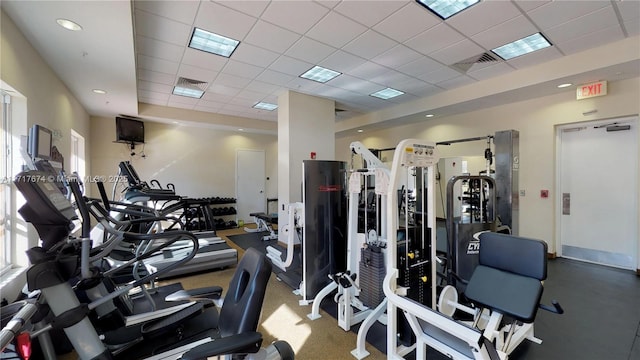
x=446 y=8
x=523 y=46
x=265 y=106
x=387 y=93
x=320 y=74
x=212 y=43
x=182 y=91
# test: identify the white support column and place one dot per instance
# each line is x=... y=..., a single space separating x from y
x=306 y=124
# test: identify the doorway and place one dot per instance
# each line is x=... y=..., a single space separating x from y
x=597 y=202
x=250 y=183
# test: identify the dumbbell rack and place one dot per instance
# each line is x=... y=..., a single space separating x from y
x=207 y=214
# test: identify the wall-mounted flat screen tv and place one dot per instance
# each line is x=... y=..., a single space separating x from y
x=129 y=131
x=39 y=142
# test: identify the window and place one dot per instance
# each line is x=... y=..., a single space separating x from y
x=5 y=183
x=76 y=163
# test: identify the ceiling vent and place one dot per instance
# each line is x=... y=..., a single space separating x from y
x=192 y=84
x=464 y=65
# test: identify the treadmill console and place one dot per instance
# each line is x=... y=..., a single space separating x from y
x=50 y=212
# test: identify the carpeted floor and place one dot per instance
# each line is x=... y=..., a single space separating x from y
x=282 y=317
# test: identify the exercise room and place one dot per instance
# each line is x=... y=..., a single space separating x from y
x=310 y=179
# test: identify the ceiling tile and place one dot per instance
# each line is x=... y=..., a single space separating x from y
x=291 y=66
x=489 y=71
x=536 y=57
x=156 y=77
x=177 y=99
x=245 y=102
x=153 y=95
x=592 y=22
x=414 y=86
x=369 y=45
x=335 y=30
x=297 y=16
x=309 y=50
x=253 y=96
x=355 y=84
x=147 y=100
x=342 y=61
x=271 y=37
x=203 y=59
x=596 y=38
x=154 y=87
x=223 y=20
x=527 y=5
x=442 y=74
x=428 y=90
x=304 y=85
x=457 y=52
x=420 y=66
x=253 y=8
x=218 y=95
x=254 y=55
x=182 y=11
x=196 y=73
x=274 y=77
x=159 y=49
x=407 y=22
x=226 y=91
x=632 y=27
x=557 y=12
x=157 y=65
x=391 y=79
x=232 y=80
x=238 y=68
x=482 y=16
x=398 y=55
x=368 y=70
x=504 y=33
x=160 y=28
x=205 y=108
x=438 y=37
x=629 y=10
x=456 y=82
x=329 y=4
x=368 y=13
x=263 y=87
x=209 y=104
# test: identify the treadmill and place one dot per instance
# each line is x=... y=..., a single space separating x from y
x=213 y=252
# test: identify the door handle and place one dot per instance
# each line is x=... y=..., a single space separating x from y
x=566 y=203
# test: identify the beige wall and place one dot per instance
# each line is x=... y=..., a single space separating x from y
x=199 y=161
x=535 y=120
x=49 y=102
x=39 y=98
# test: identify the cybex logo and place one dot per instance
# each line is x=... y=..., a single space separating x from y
x=473 y=248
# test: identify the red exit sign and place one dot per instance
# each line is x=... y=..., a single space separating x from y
x=591 y=90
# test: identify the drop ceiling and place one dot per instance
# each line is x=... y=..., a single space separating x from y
x=138 y=50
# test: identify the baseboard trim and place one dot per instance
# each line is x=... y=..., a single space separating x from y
x=551 y=255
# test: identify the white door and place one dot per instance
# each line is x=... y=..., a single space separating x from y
x=250 y=183
x=598 y=192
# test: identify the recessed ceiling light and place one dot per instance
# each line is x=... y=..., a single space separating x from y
x=69 y=25
x=99 y=91
x=387 y=93
x=429 y=115
x=265 y=106
x=212 y=43
x=360 y=130
x=446 y=8
x=240 y=129
x=523 y=46
x=320 y=74
x=182 y=91
x=564 y=85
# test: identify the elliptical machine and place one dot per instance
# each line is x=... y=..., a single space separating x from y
x=190 y=327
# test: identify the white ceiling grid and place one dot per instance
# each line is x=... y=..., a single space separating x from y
x=374 y=44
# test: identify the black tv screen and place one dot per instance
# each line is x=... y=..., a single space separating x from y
x=129 y=130
x=39 y=142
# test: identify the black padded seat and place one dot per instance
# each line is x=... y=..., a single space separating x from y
x=508 y=277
